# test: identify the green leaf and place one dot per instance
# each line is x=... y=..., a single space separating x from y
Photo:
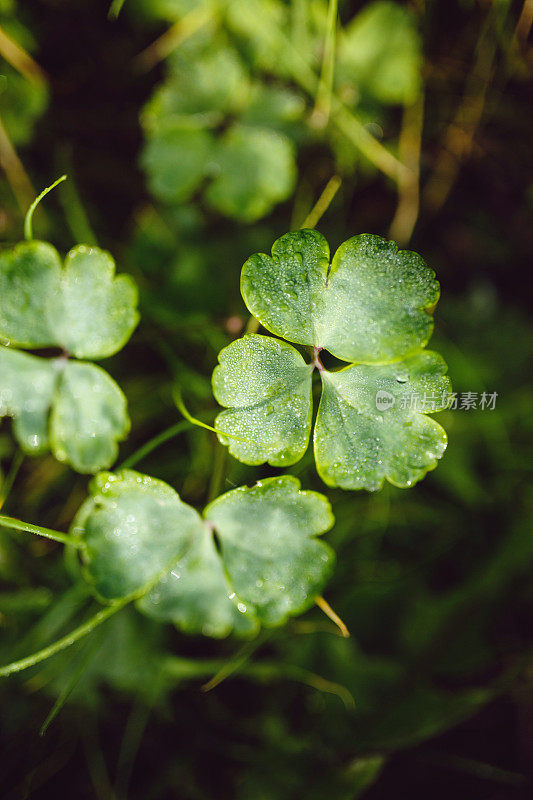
x=267 y=534
x=196 y=595
x=257 y=169
x=142 y=540
x=27 y=386
x=97 y=311
x=89 y=418
x=80 y=307
x=368 y=428
x=30 y=277
x=266 y=385
x=371 y=305
x=380 y=52
x=134 y=528
x=176 y=161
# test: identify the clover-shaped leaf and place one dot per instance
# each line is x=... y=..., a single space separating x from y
x=82 y=308
x=133 y=528
x=253 y=558
x=206 y=124
x=369 y=306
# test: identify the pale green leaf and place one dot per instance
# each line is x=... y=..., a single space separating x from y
x=97 y=312
x=371 y=305
x=380 y=52
x=267 y=534
x=176 y=161
x=80 y=307
x=134 y=528
x=266 y=386
x=89 y=417
x=371 y=426
x=30 y=280
x=257 y=169
x=27 y=386
x=196 y=595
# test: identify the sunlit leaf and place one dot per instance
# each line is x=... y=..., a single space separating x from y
x=267 y=533
x=27 y=386
x=196 y=594
x=134 y=528
x=371 y=304
x=266 y=385
x=80 y=307
x=89 y=417
x=370 y=424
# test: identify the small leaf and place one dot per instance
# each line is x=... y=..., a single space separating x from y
x=176 y=161
x=97 y=313
x=195 y=595
x=81 y=307
x=368 y=427
x=257 y=170
x=266 y=385
x=89 y=417
x=267 y=533
x=380 y=51
x=27 y=386
x=134 y=528
x=30 y=277
x=370 y=306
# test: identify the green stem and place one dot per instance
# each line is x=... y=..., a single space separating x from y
x=325 y=86
x=48 y=533
x=158 y=440
x=11 y=476
x=28 y=232
x=66 y=641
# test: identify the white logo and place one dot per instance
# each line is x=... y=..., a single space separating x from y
x=384 y=400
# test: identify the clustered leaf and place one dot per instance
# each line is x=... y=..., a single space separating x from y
x=253 y=558
x=369 y=306
x=74 y=408
x=249 y=167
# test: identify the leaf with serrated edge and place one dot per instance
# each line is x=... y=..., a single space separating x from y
x=369 y=306
x=266 y=386
x=267 y=534
x=80 y=307
x=97 y=312
x=89 y=417
x=134 y=529
x=196 y=595
x=358 y=445
x=27 y=387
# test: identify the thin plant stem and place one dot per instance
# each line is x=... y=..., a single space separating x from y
x=188 y=416
x=15 y=173
x=323 y=203
x=334 y=617
x=48 y=533
x=325 y=86
x=65 y=641
x=11 y=476
x=183 y=29
x=409 y=148
x=28 y=232
x=155 y=442
x=20 y=60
